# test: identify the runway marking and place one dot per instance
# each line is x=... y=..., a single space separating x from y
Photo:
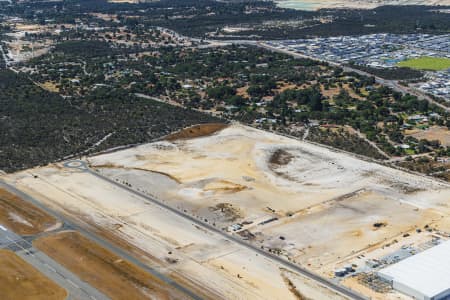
x=72 y=283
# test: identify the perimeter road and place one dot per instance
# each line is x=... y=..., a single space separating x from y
x=325 y=282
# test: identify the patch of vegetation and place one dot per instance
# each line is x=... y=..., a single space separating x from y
x=39 y=127
x=432 y=166
x=85 y=49
x=260 y=19
x=281 y=157
x=427 y=63
x=402 y=73
x=269 y=90
x=344 y=141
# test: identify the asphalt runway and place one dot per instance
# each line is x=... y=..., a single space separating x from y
x=73 y=225
x=75 y=287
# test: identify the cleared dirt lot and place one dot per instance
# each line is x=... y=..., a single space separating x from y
x=22 y=217
x=350 y=225
x=242 y=175
x=19 y=280
x=202 y=261
x=115 y=277
x=441 y=134
x=309 y=204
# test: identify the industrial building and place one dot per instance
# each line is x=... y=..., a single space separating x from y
x=423 y=276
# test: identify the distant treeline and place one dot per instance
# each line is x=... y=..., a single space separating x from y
x=385 y=19
x=198 y=17
x=391 y=73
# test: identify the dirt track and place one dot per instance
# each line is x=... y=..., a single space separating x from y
x=115 y=277
x=20 y=281
x=22 y=217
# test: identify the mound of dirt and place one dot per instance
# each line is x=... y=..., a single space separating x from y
x=197 y=131
x=227 y=210
x=281 y=158
x=224 y=186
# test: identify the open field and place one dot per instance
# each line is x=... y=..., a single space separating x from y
x=316 y=207
x=441 y=134
x=242 y=175
x=22 y=217
x=204 y=262
x=426 y=63
x=102 y=269
x=19 y=280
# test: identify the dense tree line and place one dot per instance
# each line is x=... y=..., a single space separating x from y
x=236 y=80
x=384 y=19
x=391 y=73
x=39 y=127
x=197 y=18
x=345 y=141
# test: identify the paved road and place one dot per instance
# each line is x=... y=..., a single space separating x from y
x=390 y=83
x=76 y=288
x=7 y=237
x=74 y=225
x=325 y=282
x=82 y=166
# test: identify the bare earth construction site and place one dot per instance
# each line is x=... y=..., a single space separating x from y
x=317 y=208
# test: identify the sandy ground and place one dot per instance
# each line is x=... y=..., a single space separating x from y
x=325 y=204
x=50 y=86
x=441 y=134
x=115 y=277
x=22 y=217
x=317 y=4
x=351 y=221
x=352 y=282
x=19 y=280
x=203 y=261
x=229 y=177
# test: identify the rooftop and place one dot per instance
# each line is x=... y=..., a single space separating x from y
x=427 y=272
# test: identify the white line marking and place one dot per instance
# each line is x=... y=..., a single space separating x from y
x=73 y=283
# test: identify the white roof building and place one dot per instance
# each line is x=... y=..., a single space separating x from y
x=423 y=276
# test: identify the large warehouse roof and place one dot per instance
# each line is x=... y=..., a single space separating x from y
x=428 y=272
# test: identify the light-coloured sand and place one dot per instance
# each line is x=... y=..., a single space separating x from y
x=316 y=189
x=325 y=204
x=178 y=248
x=442 y=134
